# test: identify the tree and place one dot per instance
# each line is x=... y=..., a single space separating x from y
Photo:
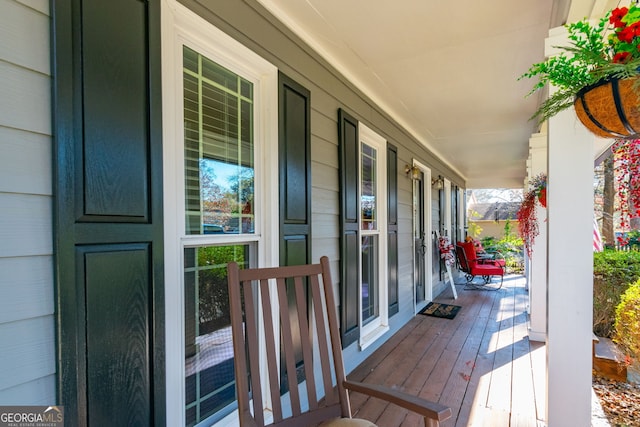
x=242 y=191
x=490 y=195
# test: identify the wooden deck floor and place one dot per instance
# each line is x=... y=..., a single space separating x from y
x=481 y=363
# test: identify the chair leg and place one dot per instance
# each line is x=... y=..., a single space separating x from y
x=486 y=284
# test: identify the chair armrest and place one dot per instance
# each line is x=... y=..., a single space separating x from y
x=496 y=254
x=413 y=403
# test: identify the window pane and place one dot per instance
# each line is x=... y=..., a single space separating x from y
x=368 y=188
x=219 y=148
x=369 y=278
x=209 y=367
x=219 y=75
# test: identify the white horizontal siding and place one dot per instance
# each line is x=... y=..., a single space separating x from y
x=41 y=391
x=26 y=355
x=25 y=225
x=27 y=324
x=26 y=286
x=26 y=98
x=25 y=36
x=41 y=6
x=26 y=162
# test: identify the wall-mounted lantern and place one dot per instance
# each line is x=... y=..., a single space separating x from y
x=413 y=172
x=438 y=182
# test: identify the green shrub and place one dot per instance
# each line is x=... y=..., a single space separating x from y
x=627 y=326
x=510 y=247
x=613 y=272
x=634 y=239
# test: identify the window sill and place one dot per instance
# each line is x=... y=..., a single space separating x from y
x=372 y=336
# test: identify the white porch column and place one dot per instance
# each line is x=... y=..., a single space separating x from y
x=538 y=263
x=527 y=260
x=570 y=266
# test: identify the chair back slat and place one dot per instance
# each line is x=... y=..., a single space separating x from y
x=306 y=341
x=323 y=340
x=288 y=346
x=334 y=332
x=270 y=348
x=240 y=362
x=306 y=330
x=251 y=328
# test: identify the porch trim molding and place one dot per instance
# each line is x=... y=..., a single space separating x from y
x=537 y=274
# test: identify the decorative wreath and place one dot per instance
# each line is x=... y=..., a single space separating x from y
x=446 y=251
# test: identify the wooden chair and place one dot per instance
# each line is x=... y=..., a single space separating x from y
x=472 y=266
x=315 y=392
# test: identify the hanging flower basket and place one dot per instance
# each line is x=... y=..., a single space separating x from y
x=596 y=72
x=542 y=196
x=527 y=215
x=610 y=108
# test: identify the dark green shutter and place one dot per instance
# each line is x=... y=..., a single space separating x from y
x=442 y=211
x=295 y=172
x=108 y=211
x=392 y=227
x=294 y=164
x=349 y=228
x=434 y=243
x=453 y=237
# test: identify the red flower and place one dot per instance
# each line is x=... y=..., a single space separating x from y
x=635 y=27
x=626 y=34
x=621 y=57
x=617 y=15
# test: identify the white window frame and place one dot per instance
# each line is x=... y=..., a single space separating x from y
x=461 y=214
x=428 y=232
x=373 y=330
x=181 y=27
x=447 y=207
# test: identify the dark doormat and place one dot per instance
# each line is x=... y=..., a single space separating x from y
x=437 y=309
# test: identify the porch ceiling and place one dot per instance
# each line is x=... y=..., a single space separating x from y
x=446 y=71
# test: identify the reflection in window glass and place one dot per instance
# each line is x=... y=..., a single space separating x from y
x=369 y=241
x=219 y=200
x=209 y=367
x=368 y=188
x=369 y=278
x=219 y=148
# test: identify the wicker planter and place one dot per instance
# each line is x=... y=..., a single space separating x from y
x=610 y=109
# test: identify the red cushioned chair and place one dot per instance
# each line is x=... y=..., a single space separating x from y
x=472 y=266
x=487 y=257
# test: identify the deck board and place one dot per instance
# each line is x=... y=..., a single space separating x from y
x=522 y=388
x=474 y=404
x=499 y=396
x=481 y=363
